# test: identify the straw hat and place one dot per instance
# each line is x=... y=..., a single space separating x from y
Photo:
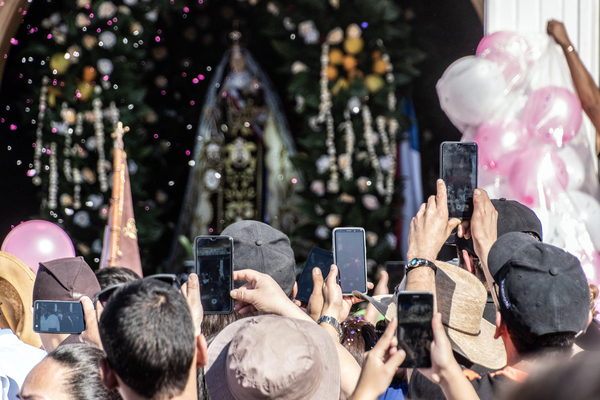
x=461 y=299
x=14 y=272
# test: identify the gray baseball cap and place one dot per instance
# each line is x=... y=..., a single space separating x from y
x=263 y=248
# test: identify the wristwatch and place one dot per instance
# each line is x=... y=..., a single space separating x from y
x=331 y=321
x=420 y=262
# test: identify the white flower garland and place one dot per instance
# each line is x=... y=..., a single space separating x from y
x=370 y=142
x=99 y=131
x=350 y=139
x=37 y=154
x=53 y=187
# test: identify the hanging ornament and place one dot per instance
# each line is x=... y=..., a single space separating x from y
x=308 y=31
x=37 y=154
x=107 y=40
x=53 y=186
x=353 y=31
x=298 y=66
x=349 y=138
x=333 y=220
x=335 y=36
x=99 y=133
x=370 y=202
x=322 y=232
x=318 y=187
x=370 y=142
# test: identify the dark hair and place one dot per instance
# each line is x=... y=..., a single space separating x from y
x=83 y=380
x=110 y=276
x=148 y=337
x=550 y=344
x=357 y=337
x=593 y=298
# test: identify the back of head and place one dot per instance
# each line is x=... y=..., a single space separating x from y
x=358 y=336
x=148 y=337
x=543 y=292
x=110 y=276
x=65 y=279
x=83 y=380
x=263 y=248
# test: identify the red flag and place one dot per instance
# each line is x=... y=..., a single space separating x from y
x=120 y=247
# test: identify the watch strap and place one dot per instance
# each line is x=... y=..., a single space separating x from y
x=331 y=321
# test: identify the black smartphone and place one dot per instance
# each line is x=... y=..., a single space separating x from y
x=396 y=271
x=458 y=169
x=350 y=256
x=58 y=317
x=318 y=258
x=415 y=312
x=214 y=266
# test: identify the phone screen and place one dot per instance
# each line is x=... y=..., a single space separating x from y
x=351 y=259
x=396 y=271
x=58 y=317
x=318 y=258
x=458 y=169
x=214 y=267
x=415 y=312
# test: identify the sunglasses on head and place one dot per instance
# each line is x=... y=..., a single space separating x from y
x=103 y=295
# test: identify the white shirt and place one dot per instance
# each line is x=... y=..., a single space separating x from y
x=17 y=358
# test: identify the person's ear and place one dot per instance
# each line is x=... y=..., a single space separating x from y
x=295 y=290
x=108 y=376
x=201 y=351
x=469 y=265
x=499 y=324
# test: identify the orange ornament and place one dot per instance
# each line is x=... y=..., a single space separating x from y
x=336 y=56
x=380 y=67
x=89 y=73
x=353 y=45
x=332 y=72
x=350 y=63
x=376 y=55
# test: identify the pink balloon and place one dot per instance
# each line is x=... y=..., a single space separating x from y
x=539 y=174
x=553 y=115
x=37 y=241
x=499 y=142
x=507 y=50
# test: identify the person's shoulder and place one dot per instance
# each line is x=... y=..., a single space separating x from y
x=489 y=385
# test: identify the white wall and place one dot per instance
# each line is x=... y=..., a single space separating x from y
x=581 y=18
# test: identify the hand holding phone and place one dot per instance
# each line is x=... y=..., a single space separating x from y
x=415 y=334
x=350 y=256
x=458 y=170
x=58 y=317
x=318 y=258
x=214 y=267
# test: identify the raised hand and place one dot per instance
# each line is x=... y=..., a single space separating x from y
x=191 y=292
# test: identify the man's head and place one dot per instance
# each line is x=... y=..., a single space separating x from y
x=542 y=291
x=148 y=337
x=64 y=279
x=263 y=248
x=245 y=361
x=512 y=217
x=110 y=276
x=69 y=372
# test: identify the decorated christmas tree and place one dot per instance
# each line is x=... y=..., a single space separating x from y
x=79 y=68
x=348 y=62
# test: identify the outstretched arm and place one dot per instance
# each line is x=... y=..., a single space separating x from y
x=588 y=93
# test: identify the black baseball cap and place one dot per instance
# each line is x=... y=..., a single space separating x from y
x=542 y=288
x=512 y=217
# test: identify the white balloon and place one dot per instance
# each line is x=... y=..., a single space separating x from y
x=551 y=232
x=470 y=90
x=575 y=168
x=588 y=210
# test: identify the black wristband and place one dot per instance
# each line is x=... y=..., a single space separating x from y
x=420 y=262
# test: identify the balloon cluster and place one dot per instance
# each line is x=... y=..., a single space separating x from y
x=525 y=124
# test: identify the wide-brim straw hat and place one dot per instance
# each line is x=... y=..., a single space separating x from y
x=461 y=299
x=17 y=274
x=268 y=357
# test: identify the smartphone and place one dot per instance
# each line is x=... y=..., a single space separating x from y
x=318 y=258
x=458 y=169
x=415 y=312
x=396 y=271
x=350 y=256
x=214 y=266
x=58 y=317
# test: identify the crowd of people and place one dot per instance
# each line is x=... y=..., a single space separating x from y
x=513 y=318
x=510 y=314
